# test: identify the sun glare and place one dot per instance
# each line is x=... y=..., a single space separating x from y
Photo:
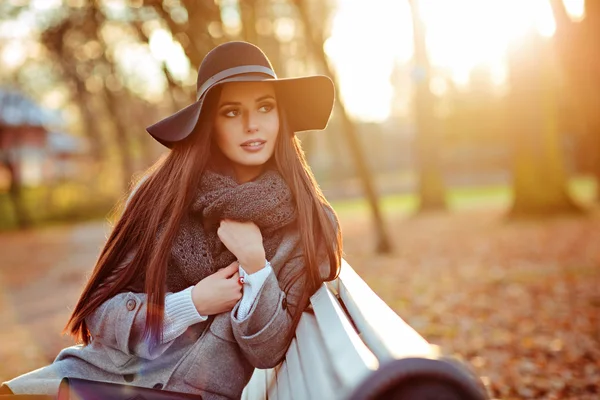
x=461 y=35
x=164 y=49
x=13 y=55
x=575 y=9
x=365 y=43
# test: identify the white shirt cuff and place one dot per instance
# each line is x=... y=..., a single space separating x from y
x=180 y=313
x=252 y=285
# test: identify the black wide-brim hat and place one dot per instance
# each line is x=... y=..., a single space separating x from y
x=307 y=101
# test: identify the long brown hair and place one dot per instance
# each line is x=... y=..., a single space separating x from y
x=161 y=201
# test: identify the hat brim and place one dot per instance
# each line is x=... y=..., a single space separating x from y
x=307 y=102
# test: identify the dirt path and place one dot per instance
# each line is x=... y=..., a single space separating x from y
x=41 y=275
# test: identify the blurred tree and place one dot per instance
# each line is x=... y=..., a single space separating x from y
x=15 y=194
x=85 y=60
x=90 y=62
x=195 y=25
x=266 y=16
x=539 y=178
x=61 y=55
x=428 y=138
x=248 y=14
x=577 y=46
x=315 y=39
x=475 y=141
x=67 y=41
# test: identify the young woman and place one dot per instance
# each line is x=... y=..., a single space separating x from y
x=207 y=271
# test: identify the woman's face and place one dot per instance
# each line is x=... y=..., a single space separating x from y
x=246 y=126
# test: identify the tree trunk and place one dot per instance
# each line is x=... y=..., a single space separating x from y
x=15 y=191
x=122 y=139
x=579 y=53
x=200 y=15
x=349 y=130
x=173 y=87
x=80 y=96
x=431 y=181
x=90 y=127
x=248 y=11
x=540 y=180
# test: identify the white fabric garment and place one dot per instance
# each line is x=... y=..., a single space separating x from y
x=180 y=311
x=252 y=284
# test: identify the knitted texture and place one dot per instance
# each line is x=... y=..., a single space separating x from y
x=197 y=250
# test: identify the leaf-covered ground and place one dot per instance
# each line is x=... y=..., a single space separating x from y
x=519 y=301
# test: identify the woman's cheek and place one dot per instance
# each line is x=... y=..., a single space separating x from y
x=274 y=124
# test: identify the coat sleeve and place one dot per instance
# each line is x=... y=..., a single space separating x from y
x=263 y=334
x=119 y=322
x=119 y=325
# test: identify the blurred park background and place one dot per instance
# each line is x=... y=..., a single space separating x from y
x=463 y=158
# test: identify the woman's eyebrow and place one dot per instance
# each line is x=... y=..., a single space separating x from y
x=229 y=103
x=237 y=103
x=265 y=97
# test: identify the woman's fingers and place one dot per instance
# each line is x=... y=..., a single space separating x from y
x=230 y=270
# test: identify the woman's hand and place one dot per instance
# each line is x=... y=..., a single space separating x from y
x=245 y=241
x=219 y=292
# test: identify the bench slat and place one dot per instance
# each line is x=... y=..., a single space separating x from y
x=322 y=381
x=256 y=387
x=271 y=382
x=328 y=357
x=386 y=334
x=352 y=360
x=283 y=383
x=298 y=384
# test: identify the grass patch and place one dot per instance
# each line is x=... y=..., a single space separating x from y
x=67 y=202
x=582 y=189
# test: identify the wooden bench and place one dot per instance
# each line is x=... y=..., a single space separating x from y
x=350 y=345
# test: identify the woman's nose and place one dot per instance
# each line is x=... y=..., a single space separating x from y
x=251 y=123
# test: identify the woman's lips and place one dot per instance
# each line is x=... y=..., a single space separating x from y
x=253 y=145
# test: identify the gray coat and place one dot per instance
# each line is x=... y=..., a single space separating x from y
x=216 y=363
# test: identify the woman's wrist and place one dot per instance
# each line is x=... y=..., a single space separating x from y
x=253 y=265
x=198 y=302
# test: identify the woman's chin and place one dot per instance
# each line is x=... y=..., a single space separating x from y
x=255 y=160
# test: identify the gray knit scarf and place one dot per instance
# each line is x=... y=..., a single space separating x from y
x=197 y=251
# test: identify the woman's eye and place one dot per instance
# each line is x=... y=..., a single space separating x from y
x=231 y=113
x=266 y=108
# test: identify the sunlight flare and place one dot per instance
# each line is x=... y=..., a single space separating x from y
x=575 y=9
x=461 y=35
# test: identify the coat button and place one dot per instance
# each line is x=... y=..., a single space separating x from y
x=131 y=304
x=158 y=386
x=128 y=377
x=284 y=304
